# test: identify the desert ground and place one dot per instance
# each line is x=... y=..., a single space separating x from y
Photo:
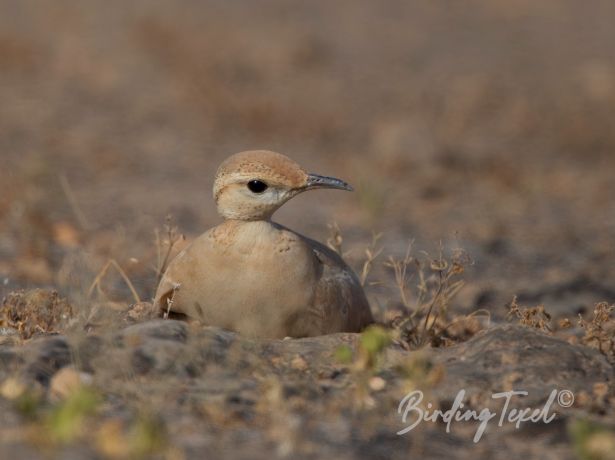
x=479 y=138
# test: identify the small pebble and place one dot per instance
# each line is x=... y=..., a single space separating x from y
x=377 y=383
x=12 y=388
x=66 y=382
x=299 y=363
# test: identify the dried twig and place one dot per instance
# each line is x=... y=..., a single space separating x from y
x=170 y=299
x=172 y=237
x=101 y=274
x=335 y=239
x=371 y=253
x=435 y=288
x=536 y=317
x=72 y=201
x=400 y=269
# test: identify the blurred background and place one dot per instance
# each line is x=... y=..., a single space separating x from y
x=486 y=125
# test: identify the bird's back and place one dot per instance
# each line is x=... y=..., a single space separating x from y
x=339 y=294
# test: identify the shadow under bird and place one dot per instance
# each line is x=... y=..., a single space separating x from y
x=256 y=277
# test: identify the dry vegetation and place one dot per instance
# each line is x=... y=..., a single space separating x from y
x=35 y=312
x=600 y=330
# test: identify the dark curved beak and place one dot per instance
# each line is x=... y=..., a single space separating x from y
x=318 y=181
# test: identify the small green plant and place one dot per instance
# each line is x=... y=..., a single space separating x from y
x=146 y=436
x=592 y=441
x=372 y=343
x=344 y=354
x=66 y=421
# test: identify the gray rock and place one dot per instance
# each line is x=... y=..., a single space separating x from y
x=520 y=358
x=45 y=356
x=157 y=356
x=214 y=344
x=10 y=359
x=172 y=330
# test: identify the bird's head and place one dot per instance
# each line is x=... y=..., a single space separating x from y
x=252 y=185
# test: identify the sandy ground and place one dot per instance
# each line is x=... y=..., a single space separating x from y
x=485 y=126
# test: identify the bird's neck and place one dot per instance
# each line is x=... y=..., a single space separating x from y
x=247 y=234
x=251 y=225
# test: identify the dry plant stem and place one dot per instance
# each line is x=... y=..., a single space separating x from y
x=421 y=286
x=371 y=253
x=103 y=272
x=335 y=240
x=172 y=239
x=433 y=302
x=400 y=268
x=445 y=291
x=72 y=201
x=434 y=292
x=170 y=302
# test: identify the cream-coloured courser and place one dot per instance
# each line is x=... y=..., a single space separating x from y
x=257 y=277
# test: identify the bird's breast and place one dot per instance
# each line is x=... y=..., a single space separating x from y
x=248 y=265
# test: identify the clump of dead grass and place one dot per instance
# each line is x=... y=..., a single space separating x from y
x=35 y=311
x=535 y=317
x=426 y=286
x=600 y=330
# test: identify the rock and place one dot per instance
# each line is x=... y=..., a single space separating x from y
x=45 y=356
x=162 y=357
x=12 y=388
x=377 y=383
x=86 y=349
x=66 y=382
x=172 y=330
x=318 y=353
x=259 y=392
x=8 y=355
x=516 y=357
x=214 y=343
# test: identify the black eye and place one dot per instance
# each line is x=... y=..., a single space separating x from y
x=257 y=186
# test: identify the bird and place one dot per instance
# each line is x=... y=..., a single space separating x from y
x=256 y=277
